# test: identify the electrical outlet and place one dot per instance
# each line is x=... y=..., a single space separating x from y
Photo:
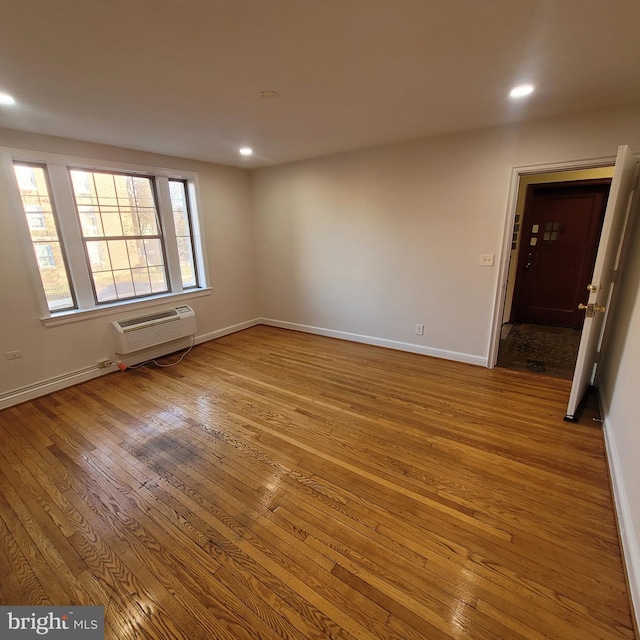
x=104 y=363
x=13 y=355
x=419 y=329
x=486 y=260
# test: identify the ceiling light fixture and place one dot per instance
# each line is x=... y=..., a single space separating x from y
x=246 y=151
x=521 y=91
x=6 y=99
x=268 y=95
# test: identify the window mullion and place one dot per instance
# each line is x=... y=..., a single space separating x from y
x=169 y=229
x=70 y=231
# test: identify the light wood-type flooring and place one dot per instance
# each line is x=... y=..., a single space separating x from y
x=283 y=485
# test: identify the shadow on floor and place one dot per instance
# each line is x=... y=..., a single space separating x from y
x=540 y=349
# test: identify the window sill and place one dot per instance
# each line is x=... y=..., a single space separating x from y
x=76 y=315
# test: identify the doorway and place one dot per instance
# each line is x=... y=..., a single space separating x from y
x=555 y=238
x=560 y=231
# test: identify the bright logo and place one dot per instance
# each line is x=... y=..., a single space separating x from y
x=24 y=623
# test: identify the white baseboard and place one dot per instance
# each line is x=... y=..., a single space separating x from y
x=241 y=326
x=378 y=342
x=16 y=396
x=628 y=535
x=53 y=384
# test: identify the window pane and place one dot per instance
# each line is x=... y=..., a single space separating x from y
x=118 y=254
x=99 y=259
x=141 y=282
x=147 y=223
x=124 y=283
x=153 y=251
x=187 y=267
x=136 y=253
x=111 y=221
x=90 y=221
x=129 y=221
x=82 y=184
x=182 y=223
x=43 y=228
x=121 y=208
x=158 y=279
x=105 y=286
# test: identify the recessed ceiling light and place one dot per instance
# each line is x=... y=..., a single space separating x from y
x=268 y=94
x=246 y=151
x=5 y=98
x=521 y=91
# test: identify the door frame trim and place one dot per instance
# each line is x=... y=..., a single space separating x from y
x=509 y=220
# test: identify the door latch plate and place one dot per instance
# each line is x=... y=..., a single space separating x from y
x=591 y=309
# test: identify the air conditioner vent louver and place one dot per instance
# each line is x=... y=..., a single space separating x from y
x=134 y=334
x=155 y=316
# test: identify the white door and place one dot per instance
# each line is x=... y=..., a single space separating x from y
x=604 y=273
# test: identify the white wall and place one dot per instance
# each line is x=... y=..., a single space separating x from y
x=374 y=241
x=49 y=352
x=619 y=386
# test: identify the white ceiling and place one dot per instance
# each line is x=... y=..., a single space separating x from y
x=182 y=77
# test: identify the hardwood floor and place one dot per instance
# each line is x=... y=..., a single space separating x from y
x=283 y=485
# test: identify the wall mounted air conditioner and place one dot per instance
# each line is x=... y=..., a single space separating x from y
x=150 y=330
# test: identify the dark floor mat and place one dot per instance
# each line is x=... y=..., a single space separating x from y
x=541 y=349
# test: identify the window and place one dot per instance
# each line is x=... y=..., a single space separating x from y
x=106 y=236
x=121 y=234
x=41 y=218
x=184 y=237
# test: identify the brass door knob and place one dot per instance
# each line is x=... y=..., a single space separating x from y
x=591 y=309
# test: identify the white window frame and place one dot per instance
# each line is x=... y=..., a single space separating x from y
x=57 y=167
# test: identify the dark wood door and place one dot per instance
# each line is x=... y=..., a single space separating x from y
x=559 y=239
